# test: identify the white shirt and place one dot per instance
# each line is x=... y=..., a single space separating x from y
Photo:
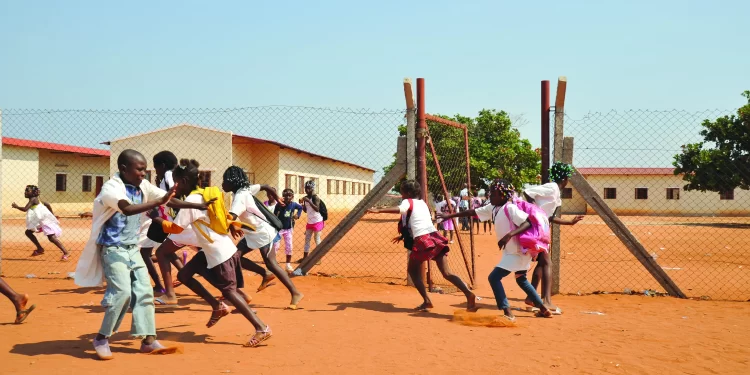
x=546 y=196
x=464 y=193
x=481 y=193
x=90 y=271
x=167 y=182
x=313 y=217
x=243 y=205
x=222 y=247
x=420 y=220
x=513 y=260
x=40 y=216
x=439 y=208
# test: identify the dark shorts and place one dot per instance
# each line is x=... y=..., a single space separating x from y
x=225 y=277
x=429 y=246
x=243 y=249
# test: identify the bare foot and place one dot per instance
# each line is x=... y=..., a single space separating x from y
x=22 y=312
x=425 y=307
x=166 y=300
x=528 y=302
x=471 y=303
x=267 y=281
x=295 y=301
x=21 y=301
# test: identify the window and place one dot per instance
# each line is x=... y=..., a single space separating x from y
x=641 y=193
x=250 y=176
x=205 y=179
x=86 y=184
x=99 y=184
x=339 y=187
x=356 y=188
x=347 y=184
x=289 y=184
x=61 y=182
x=329 y=187
x=726 y=195
x=610 y=193
x=673 y=193
x=567 y=193
x=148 y=176
x=301 y=183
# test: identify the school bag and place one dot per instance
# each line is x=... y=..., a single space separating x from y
x=403 y=227
x=322 y=209
x=217 y=212
x=536 y=239
x=268 y=216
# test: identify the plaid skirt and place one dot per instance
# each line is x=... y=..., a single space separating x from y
x=429 y=246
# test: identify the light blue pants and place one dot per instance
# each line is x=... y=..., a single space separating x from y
x=128 y=285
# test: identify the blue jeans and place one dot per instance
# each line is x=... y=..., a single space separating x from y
x=495 y=279
x=128 y=285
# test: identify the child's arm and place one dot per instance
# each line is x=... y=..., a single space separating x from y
x=129 y=209
x=27 y=206
x=299 y=210
x=313 y=203
x=180 y=204
x=387 y=210
x=49 y=207
x=523 y=227
x=272 y=194
x=573 y=221
x=466 y=213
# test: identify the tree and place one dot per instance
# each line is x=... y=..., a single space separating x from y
x=496 y=150
x=726 y=165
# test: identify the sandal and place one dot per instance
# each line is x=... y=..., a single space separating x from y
x=223 y=311
x=23 y=314
x=267 y=281
x=37 y=253
x=423 y=308
x=176 y=283
x=543 y=314
x=259 y=337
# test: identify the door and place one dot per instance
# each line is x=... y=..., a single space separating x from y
x=99 y=183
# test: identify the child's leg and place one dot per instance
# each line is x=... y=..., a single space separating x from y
x=116 y=299
x=414 y=268
x=308 y=237
x=142 y=302
x=32 y=237
x=254 y=267
x=442 y=263
x=317 y=239
x=19 y=301
x=495 y=279
x=523 y=282
x=197 y=265
x=163 y=256
x=151 y=268
x=287 y=235
x=269 y=257
x=544 y=260
x=53 y=238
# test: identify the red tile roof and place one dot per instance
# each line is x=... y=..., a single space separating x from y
x=625 y=171
x=53 y=146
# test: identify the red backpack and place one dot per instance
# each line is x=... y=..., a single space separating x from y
x=536 y=239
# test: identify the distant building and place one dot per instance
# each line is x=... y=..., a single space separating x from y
x=653 y=191
x=69 y=177
x=339 y=183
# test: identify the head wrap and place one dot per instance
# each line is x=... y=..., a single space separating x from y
x=505 y=188
x=33 y=190
x=560 y=171
x=310 y=184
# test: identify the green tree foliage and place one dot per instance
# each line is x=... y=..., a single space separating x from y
x=496 y=150
x=724 y=163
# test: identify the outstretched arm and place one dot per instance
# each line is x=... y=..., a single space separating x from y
x=466 y=213
x=271 y=191
x=24 y=208
x=129 y=209
x=387 y=210
x=573 y=221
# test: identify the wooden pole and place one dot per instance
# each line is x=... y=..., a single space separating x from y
x=622 y=232
x=375 y=195
x=562 y=83
x=421 y=135
x=411 y=139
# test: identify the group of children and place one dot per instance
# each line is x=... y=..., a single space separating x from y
x=511 y=219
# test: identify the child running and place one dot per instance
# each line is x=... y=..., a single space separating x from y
x=506 y=216
x=164 y=163
x=315 y=222
x=19 y=301
x=112 y=253
x=218 y=261
x=245 y=208
x=428 y=243
x=446 y=207
x=39 y=218
x=286 y=214
x=548 y=198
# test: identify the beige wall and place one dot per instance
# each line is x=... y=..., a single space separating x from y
x=690 y=203
x=212 y=149
x=20 y=168
x=294 y=163
x=74 y=200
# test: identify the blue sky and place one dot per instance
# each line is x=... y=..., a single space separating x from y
x=482 y=54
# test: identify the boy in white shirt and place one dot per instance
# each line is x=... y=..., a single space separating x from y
x=218 y=261
x=425 y=243
x=513 y=260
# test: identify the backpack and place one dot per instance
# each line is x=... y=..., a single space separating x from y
x=268 y=216
x=322 y=209
x=403 y=227
x=536 y=239
x=217 y=212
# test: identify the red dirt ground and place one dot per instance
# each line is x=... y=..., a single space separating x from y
x=351 y=326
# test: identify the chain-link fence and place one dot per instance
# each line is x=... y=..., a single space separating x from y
x=69 y=154
x=701 y=239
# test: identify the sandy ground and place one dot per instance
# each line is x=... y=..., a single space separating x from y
x=349 y=325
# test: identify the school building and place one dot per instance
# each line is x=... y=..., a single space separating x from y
x=339 y=183
x=69 y=177
x=653 y=191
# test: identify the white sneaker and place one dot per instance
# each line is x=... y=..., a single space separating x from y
x=289 y=268
x=102 y=349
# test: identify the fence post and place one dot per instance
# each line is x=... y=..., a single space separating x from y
x=421 y=134
x=562 y=84
x=545 y=132
x=411 y=160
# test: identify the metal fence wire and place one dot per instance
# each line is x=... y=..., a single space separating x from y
x=69 y=154
x=701 y=239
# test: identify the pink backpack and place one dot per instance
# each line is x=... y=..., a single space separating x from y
x=536 y=239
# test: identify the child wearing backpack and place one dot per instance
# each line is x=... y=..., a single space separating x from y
x=548 y=198
x=510 y=221
x=218 y=261
x=421 y=237
x=251 y=211
x=317 y=214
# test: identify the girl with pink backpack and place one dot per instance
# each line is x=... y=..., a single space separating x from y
x=511 y=223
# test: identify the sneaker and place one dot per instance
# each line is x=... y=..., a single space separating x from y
x=102 y=349
x=289 y=267
x=150 y=348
